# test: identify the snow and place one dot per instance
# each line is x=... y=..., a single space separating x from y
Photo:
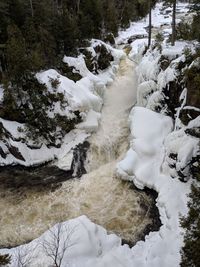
x=138 y=29
x=149 y=68
x=144 y=90
x=79 y=95
x=147 y=162
x=143 y=165
x=1 y=94
x=176 y=50
x=182 y=145
x=85 y=95
x=42 y=154
x=137 y=49
x=146 y=145
x=89 y=245
x=91 y=122
x=135 y=30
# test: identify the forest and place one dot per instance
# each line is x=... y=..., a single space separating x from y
x=35 y=38
x=35 y=35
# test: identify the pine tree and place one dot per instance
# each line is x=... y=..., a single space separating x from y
x=16 y=54
x=196 y=19
x=110 y=16
x=150 y=24
x=191 y=249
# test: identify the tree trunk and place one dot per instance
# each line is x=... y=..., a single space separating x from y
x=31 y=5
x=150 y=20
x=174 y=23
x=78 y=6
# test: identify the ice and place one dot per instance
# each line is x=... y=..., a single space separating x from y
x=146 y=163
x=85 y=95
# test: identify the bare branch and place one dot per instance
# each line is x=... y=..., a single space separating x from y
x=57 y=242
x=24 y=255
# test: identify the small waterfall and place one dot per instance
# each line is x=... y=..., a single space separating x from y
x=106 y=200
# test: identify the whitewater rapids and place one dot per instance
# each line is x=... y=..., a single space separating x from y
x=102 y=197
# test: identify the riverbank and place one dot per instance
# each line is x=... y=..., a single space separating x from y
x=106 y=200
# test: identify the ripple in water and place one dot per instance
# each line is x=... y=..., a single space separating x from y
x=106 y=200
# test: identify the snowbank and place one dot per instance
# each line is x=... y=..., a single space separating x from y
x=87 y=245
x=85 y=95
x=143 y=166
x=146 y=164
x=159 y=20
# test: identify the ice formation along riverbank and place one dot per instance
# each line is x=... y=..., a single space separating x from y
x=144 y=164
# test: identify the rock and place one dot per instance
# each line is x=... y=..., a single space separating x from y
x=164 y=62
x=15 y=152
x=79 y=157
x=48 y=177
x=186 y=115
x=2 y=153
x=193 y=132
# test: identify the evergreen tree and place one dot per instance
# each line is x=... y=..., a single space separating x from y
x=16 y=54
x=196 y=19
x=150 y=24
x=191 y=249
x=110 y=16
x=35 y=35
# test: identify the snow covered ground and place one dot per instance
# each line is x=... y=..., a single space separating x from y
x=145 y=164
x=161 y=19
x=85 y=95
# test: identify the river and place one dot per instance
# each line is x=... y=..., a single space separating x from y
x=105 y=199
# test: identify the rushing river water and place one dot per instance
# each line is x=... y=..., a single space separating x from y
x=106 y=200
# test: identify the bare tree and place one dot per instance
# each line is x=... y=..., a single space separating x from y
x=57 y=242
x=24 y=255
x=173 y=3
x=174 y=23
x=150 y=23
x=78 y=6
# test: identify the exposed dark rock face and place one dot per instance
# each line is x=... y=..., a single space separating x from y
x=164 y=62
x=109 y=38
x=69 y=72
x=79 y=157
x=193 y=85
x=2 y=153
x=43 y=176
x=15 y=152
x=186 y=115
x=193 y=132
x=195 y=167
x=100 y=61
x=153 y=214
x=172 y=93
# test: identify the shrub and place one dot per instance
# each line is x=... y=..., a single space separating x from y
x=5 y=259
x=159 y=37
x=54 y=83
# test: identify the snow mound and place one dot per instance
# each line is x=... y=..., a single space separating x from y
x=87 y=245
x=143 y=165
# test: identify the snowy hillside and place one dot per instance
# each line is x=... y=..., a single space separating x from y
x=85 y=96
x=162 y=148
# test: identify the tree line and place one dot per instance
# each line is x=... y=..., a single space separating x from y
x=43 y=31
